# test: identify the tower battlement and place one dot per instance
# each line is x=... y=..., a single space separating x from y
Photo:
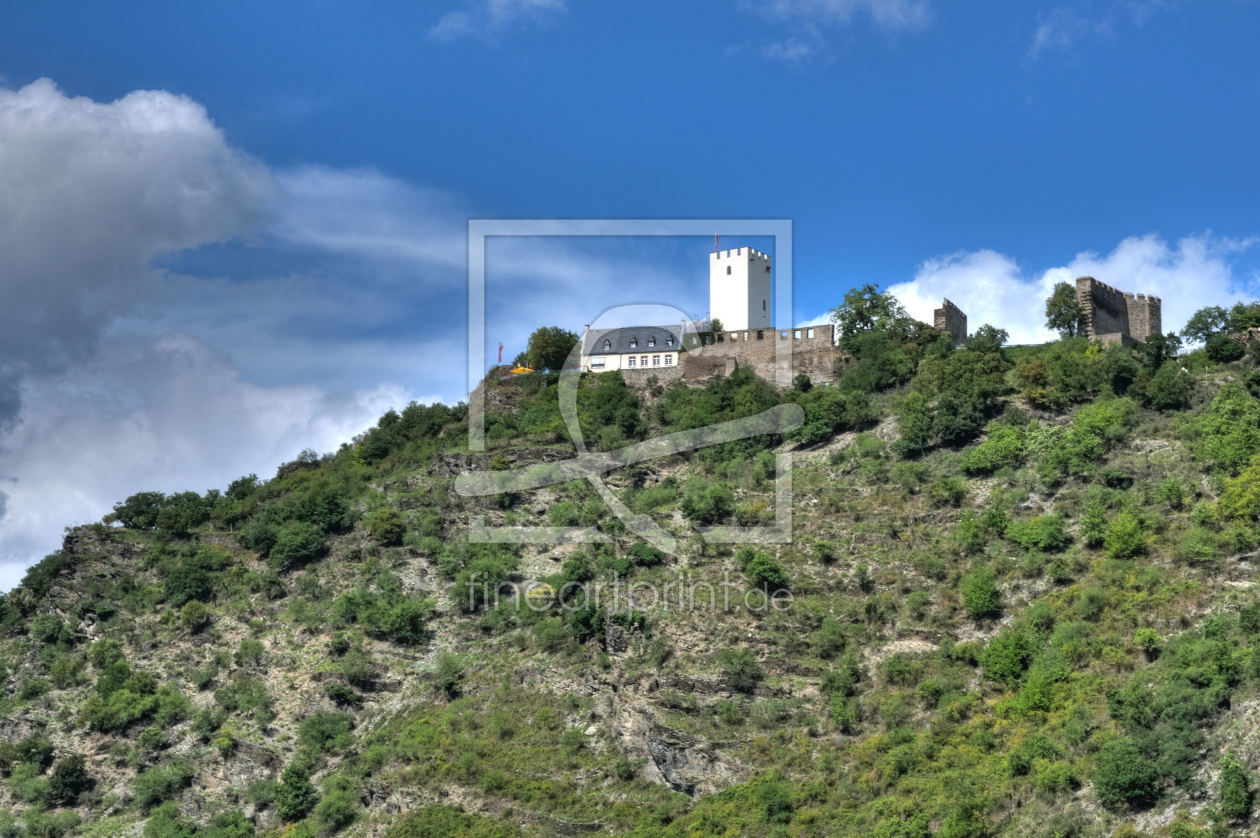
x=1115 y=316
x=740 y=280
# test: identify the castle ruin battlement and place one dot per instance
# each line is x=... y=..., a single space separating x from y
x=1114 y=316
x=951 y=320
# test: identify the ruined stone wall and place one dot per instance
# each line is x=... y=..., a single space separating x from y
x=1144 y=316
x=777 y=355
x=1105 y=309
x=1114 y=316
x=951 y=320
x=639 y=378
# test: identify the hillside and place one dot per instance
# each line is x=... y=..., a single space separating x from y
x=1019 y=599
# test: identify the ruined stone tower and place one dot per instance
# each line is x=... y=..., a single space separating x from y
x=950 y=319
x=1113 y=316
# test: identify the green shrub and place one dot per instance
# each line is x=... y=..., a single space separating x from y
x=1227 y=434
x=325 y=732
x=707 y=502
x=386 y=526
x=1124 y=776
x=740 y=669
x=1047 y=533
x=980 y=594
x=1005 y=447
x=830 y=638
x=1007 y=656
x=161 y=783
x=763 y=571
x=337 y=810
x=194 y=616
x=1124 y=538
x=1234 y=794
x=948 y=491
x=297 y=542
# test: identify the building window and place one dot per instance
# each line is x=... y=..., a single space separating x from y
x=656 y=360
x=669 y=360
x=810 y=333
x=631 y=360
x=643 y=360
x=763 y=305
x=796 y=335
x=634 y=342
x=767 y=269
x=760 y=335
x=651 y=341
x=597 y=363
x=728 y=270
x=669 y=341
x=607 y=344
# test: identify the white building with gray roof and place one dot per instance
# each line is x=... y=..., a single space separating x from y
x=631 y=348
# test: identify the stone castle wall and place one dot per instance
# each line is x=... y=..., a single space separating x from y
x=1113 y=316
x=777 y=355
x=950 y=319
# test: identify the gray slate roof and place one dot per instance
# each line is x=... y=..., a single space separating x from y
x=620 y=340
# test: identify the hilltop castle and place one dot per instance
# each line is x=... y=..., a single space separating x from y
x=740 y=285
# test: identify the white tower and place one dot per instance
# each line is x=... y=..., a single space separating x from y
x=739 y=288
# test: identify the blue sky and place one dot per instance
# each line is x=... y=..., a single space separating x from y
x=238 y=231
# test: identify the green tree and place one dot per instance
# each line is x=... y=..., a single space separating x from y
x=69 y=779
x=295 y=796
x=549 y=347
x=867 y=309
x=1158 y=349
x=915 y=425
x=1063 y=313
x=987 y=339
x=1168 y=389
x=1224 y=348
x=1204 y=323
x=140 y=511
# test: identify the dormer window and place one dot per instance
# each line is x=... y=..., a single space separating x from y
x=651 y=341
x=607 y=345
x=634 y=342
x=669 y=341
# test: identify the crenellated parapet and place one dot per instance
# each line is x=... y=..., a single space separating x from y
x=1114 y=316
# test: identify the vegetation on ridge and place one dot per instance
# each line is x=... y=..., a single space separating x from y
x=1019 y=600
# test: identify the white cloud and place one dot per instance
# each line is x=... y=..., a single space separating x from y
x=113 y=378
x=90 y=193
x=367 y=213
x=487 y=20
x=1064 y=27
x=810 y=23
x=170 y=414
x=791 y=50
x=992 y=288
x=887 y=14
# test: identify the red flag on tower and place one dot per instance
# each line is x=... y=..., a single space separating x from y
x=500 y=352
